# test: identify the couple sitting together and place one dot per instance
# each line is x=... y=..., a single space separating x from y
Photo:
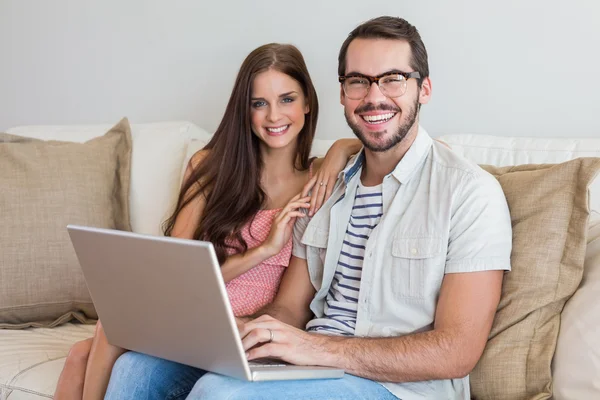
x=391 y=269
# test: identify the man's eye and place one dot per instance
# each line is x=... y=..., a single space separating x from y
x=392 y=78
x=357 y=81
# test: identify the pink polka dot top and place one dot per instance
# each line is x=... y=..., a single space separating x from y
x=258 y=286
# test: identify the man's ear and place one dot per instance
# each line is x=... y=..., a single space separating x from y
x=425 y=92
x=342 y=95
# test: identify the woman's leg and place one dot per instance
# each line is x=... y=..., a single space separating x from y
x=144 y=377
x=70 y=383
x=99 y=366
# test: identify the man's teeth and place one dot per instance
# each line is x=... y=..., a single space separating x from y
x=278 y=130
x=378 y=119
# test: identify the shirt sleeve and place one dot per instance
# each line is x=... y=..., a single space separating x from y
x=299 y=249
x=480 y=227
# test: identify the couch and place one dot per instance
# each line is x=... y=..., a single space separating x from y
x=31 y=359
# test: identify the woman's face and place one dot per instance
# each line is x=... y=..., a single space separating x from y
x=277 y=109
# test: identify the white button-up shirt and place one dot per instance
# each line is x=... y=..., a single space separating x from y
x=441 y=214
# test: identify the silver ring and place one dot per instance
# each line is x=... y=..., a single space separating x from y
x=271 y=338
x=321 y=184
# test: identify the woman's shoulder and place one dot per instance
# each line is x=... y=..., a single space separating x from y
x=315 y=165
x=198 y=157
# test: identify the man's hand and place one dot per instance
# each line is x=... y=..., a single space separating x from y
x=289 y=344
x=240 y=322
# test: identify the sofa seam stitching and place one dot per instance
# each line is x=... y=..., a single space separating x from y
x=22 y=389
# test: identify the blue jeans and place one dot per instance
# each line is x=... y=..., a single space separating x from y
x=218 y=387
x=143 y=377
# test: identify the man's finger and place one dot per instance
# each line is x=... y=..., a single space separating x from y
x=273 y=350
x=265 y=321
x=257 y=336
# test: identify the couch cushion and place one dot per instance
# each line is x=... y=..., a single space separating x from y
x=31 y=359
x=577 y=358
x=45 y=186
x=549 y=212
x=158 y=152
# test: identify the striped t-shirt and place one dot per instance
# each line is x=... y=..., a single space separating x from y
x=342 y=300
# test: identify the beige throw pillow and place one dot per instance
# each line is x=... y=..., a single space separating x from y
x=549 y=211
x=46 y=185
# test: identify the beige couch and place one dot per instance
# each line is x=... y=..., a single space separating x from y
x=31 y=359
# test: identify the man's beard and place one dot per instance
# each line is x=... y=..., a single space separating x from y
x=400 y=134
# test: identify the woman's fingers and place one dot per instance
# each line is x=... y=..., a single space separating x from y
x=309 y=185
x=303 y=202
x=317 y=195
x=286 y=217
x=328 y=192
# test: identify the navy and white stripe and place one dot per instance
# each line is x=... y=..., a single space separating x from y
x=342 y=300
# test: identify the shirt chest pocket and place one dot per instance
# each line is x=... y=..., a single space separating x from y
x=417 y=266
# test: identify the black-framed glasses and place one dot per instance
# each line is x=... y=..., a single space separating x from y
x=391 y=84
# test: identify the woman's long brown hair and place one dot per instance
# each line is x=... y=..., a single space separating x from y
x=229 y=175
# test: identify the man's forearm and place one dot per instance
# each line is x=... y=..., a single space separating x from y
x=417 y=357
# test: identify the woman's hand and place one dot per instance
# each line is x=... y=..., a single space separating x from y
x=283 y=224
x=324 y=180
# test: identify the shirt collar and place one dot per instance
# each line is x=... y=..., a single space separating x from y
x=405 y=167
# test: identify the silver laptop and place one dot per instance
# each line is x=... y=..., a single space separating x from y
x=166 y=297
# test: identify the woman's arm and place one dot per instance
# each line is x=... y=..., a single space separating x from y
x=186 y=224
x=326 y=171
x=279 y=236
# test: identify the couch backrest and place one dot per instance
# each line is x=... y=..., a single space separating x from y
x=161 y=152
x=502 y=151
x=157 y=156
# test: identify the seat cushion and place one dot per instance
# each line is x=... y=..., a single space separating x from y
x=31 y=360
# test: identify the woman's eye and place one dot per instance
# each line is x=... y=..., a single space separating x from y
x=258 y=104
x=288 y=99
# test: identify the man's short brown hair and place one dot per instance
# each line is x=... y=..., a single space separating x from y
x=389 y=28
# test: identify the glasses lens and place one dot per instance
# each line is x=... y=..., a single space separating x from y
x=393 y=85
x=356 y=87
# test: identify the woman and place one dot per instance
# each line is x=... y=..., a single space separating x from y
x=240 y=193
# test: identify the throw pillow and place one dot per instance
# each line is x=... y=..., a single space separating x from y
x=549 y=211
x=45 y=186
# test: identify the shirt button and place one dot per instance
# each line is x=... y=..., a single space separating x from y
x=414 y=251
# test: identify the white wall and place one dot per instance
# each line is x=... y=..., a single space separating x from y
x=512 y=67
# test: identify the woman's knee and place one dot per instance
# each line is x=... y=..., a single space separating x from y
x=137 y=375
x=79 y=353
x=128 y=363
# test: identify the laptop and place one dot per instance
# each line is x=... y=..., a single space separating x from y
x=166 y=297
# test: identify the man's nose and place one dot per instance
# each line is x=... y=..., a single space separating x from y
x=374 y=95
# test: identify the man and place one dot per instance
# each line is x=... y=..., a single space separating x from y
x=402 y=267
